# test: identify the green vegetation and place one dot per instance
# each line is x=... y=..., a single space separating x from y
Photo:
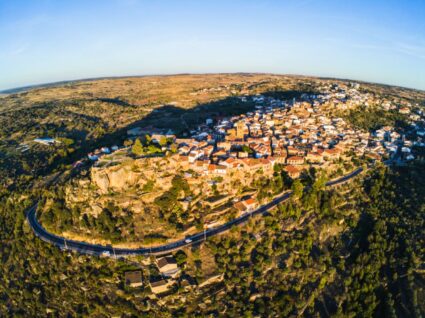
x=359 y=272
x=137 y=148
x=267 y=188
x=38 y=278
x=181 y=258
x=246 y=149
x=297 y=188
x=373 y=118
x=147 y=148
x=148 y=186
x=388 y=254
x=168 y=201
x=353 y=251
x=110 y=224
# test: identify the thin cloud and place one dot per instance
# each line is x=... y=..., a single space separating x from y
x=417 y=51
x=21 y=49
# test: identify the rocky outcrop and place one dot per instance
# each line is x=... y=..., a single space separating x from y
x=100 y=178
x=77 y=192
x=114 y=178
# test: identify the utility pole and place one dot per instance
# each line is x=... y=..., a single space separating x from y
x=205 y=233
x=113 y=250
x=66 y=247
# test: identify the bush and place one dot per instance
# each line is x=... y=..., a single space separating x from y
x=137 y=148
x=180 y=257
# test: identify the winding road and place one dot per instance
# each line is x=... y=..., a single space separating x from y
x=95 y=249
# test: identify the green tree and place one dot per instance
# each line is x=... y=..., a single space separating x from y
x=173 y=148
x=148 y=186
x=163 y=141
x=153 y=149
x=245 y=148
x=66 y=141
x=180 y=184
x=148 y=139
x=297 y=188
x=215 y=190
x=181 y=258
x=137 y=148
x=319 y=183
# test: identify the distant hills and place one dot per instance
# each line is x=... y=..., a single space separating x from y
x=60 y=83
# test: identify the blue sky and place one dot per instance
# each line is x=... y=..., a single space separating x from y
x=45 y=41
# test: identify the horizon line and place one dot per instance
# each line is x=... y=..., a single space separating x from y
x=26 y=88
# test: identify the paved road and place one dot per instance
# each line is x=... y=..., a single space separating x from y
x=94 y=249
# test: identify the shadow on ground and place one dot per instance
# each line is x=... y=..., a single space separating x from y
x=180 y=120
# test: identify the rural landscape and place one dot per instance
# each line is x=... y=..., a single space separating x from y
x=191 y=159
x=213 y=195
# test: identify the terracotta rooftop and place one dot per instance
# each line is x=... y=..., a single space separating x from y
x=249 y=201
x=292 y=169
x=297 y=158
x=240 y=206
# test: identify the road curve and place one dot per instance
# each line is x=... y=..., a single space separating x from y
x=95 y=249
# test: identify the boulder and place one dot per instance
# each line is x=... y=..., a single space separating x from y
x=114 y=178
x=100 y=178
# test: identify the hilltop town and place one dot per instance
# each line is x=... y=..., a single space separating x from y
x=162 y=187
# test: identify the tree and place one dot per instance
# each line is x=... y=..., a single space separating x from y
x=148 y=139
x=320 y=182
x=180 y=184
x=153 y=149
x=181 y=258
x=215 y=190
x=245 y=148
x=137 y=148
x=148 y=186
x=287 y=180
x=173 y=148
x=166 y=201
x=66 y=141
x=163 y=141
x=297 y=188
